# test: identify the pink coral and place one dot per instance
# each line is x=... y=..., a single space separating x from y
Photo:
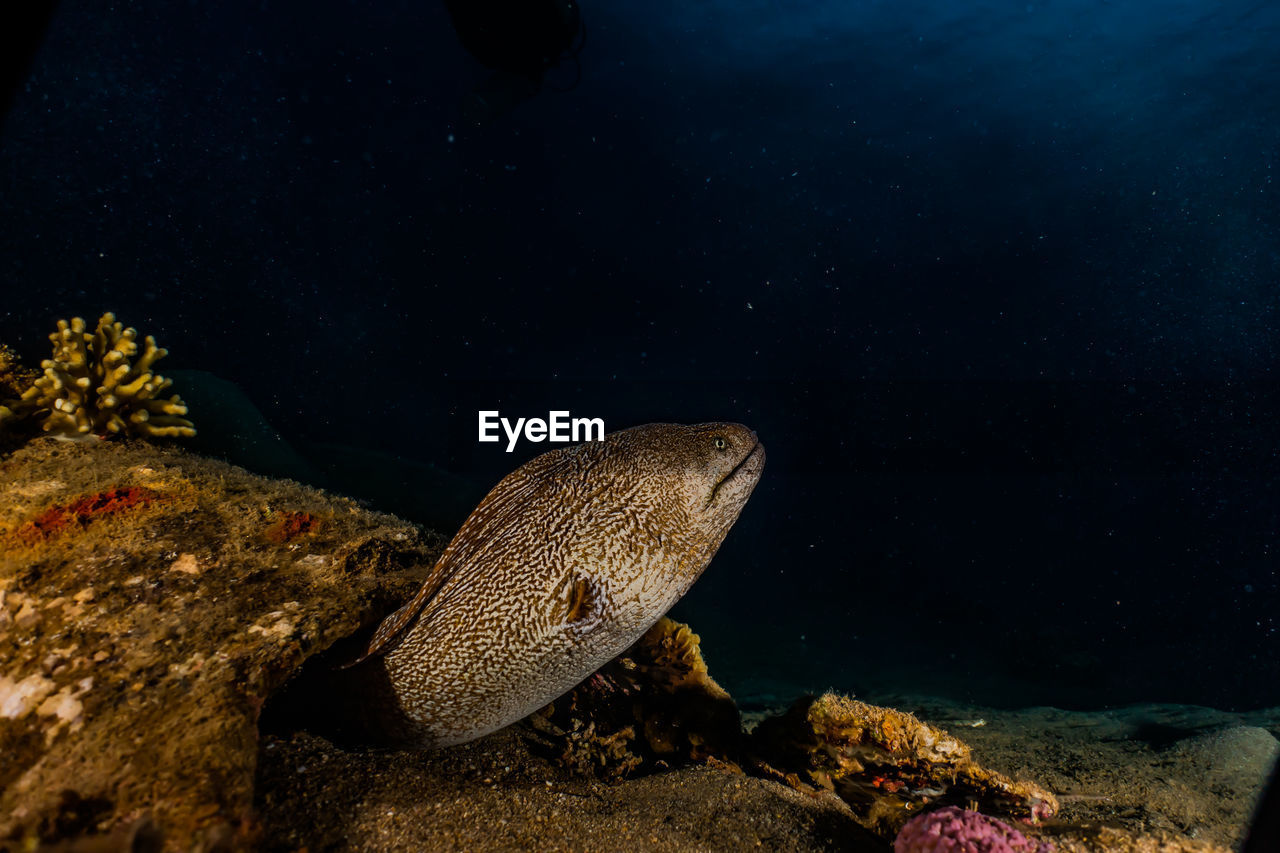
x=954 y=830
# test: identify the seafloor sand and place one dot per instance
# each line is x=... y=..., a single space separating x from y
x=1192 y=771
x=1111 y=768
x=494 y=795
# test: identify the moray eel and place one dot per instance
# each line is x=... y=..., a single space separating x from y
x=564 y=565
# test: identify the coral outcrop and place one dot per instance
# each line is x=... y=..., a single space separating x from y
x=98 y=383
x=14 y=380
x=13 y=376
x=886 y=764
x=654 y=706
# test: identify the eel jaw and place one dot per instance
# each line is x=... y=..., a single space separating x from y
x=755 y=448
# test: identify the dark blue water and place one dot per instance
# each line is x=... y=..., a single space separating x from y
x=996 y=284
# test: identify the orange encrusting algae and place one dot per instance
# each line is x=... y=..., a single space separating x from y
x=82 y=511
x=291 y=525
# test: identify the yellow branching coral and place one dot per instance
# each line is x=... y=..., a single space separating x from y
x=97 y=383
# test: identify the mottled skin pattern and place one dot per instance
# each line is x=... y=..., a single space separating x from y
x=564 y=565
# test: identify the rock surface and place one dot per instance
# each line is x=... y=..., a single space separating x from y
x=150 y=601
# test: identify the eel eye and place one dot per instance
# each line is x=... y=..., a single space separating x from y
x=719 y=442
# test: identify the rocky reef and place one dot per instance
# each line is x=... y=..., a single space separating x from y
x=150 y=602
x=154 y=604
x=654 y=707
x=888 y=765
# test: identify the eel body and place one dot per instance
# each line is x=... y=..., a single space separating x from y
x=564 y=565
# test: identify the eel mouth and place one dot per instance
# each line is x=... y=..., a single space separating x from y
x=756 y=452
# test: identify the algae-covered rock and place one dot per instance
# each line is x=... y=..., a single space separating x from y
x=654 y=706
x=886 y=764
x=150 y=601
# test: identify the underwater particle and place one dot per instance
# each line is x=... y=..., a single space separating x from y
x=563 y=566
x=957 y=830
x=97 y=383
